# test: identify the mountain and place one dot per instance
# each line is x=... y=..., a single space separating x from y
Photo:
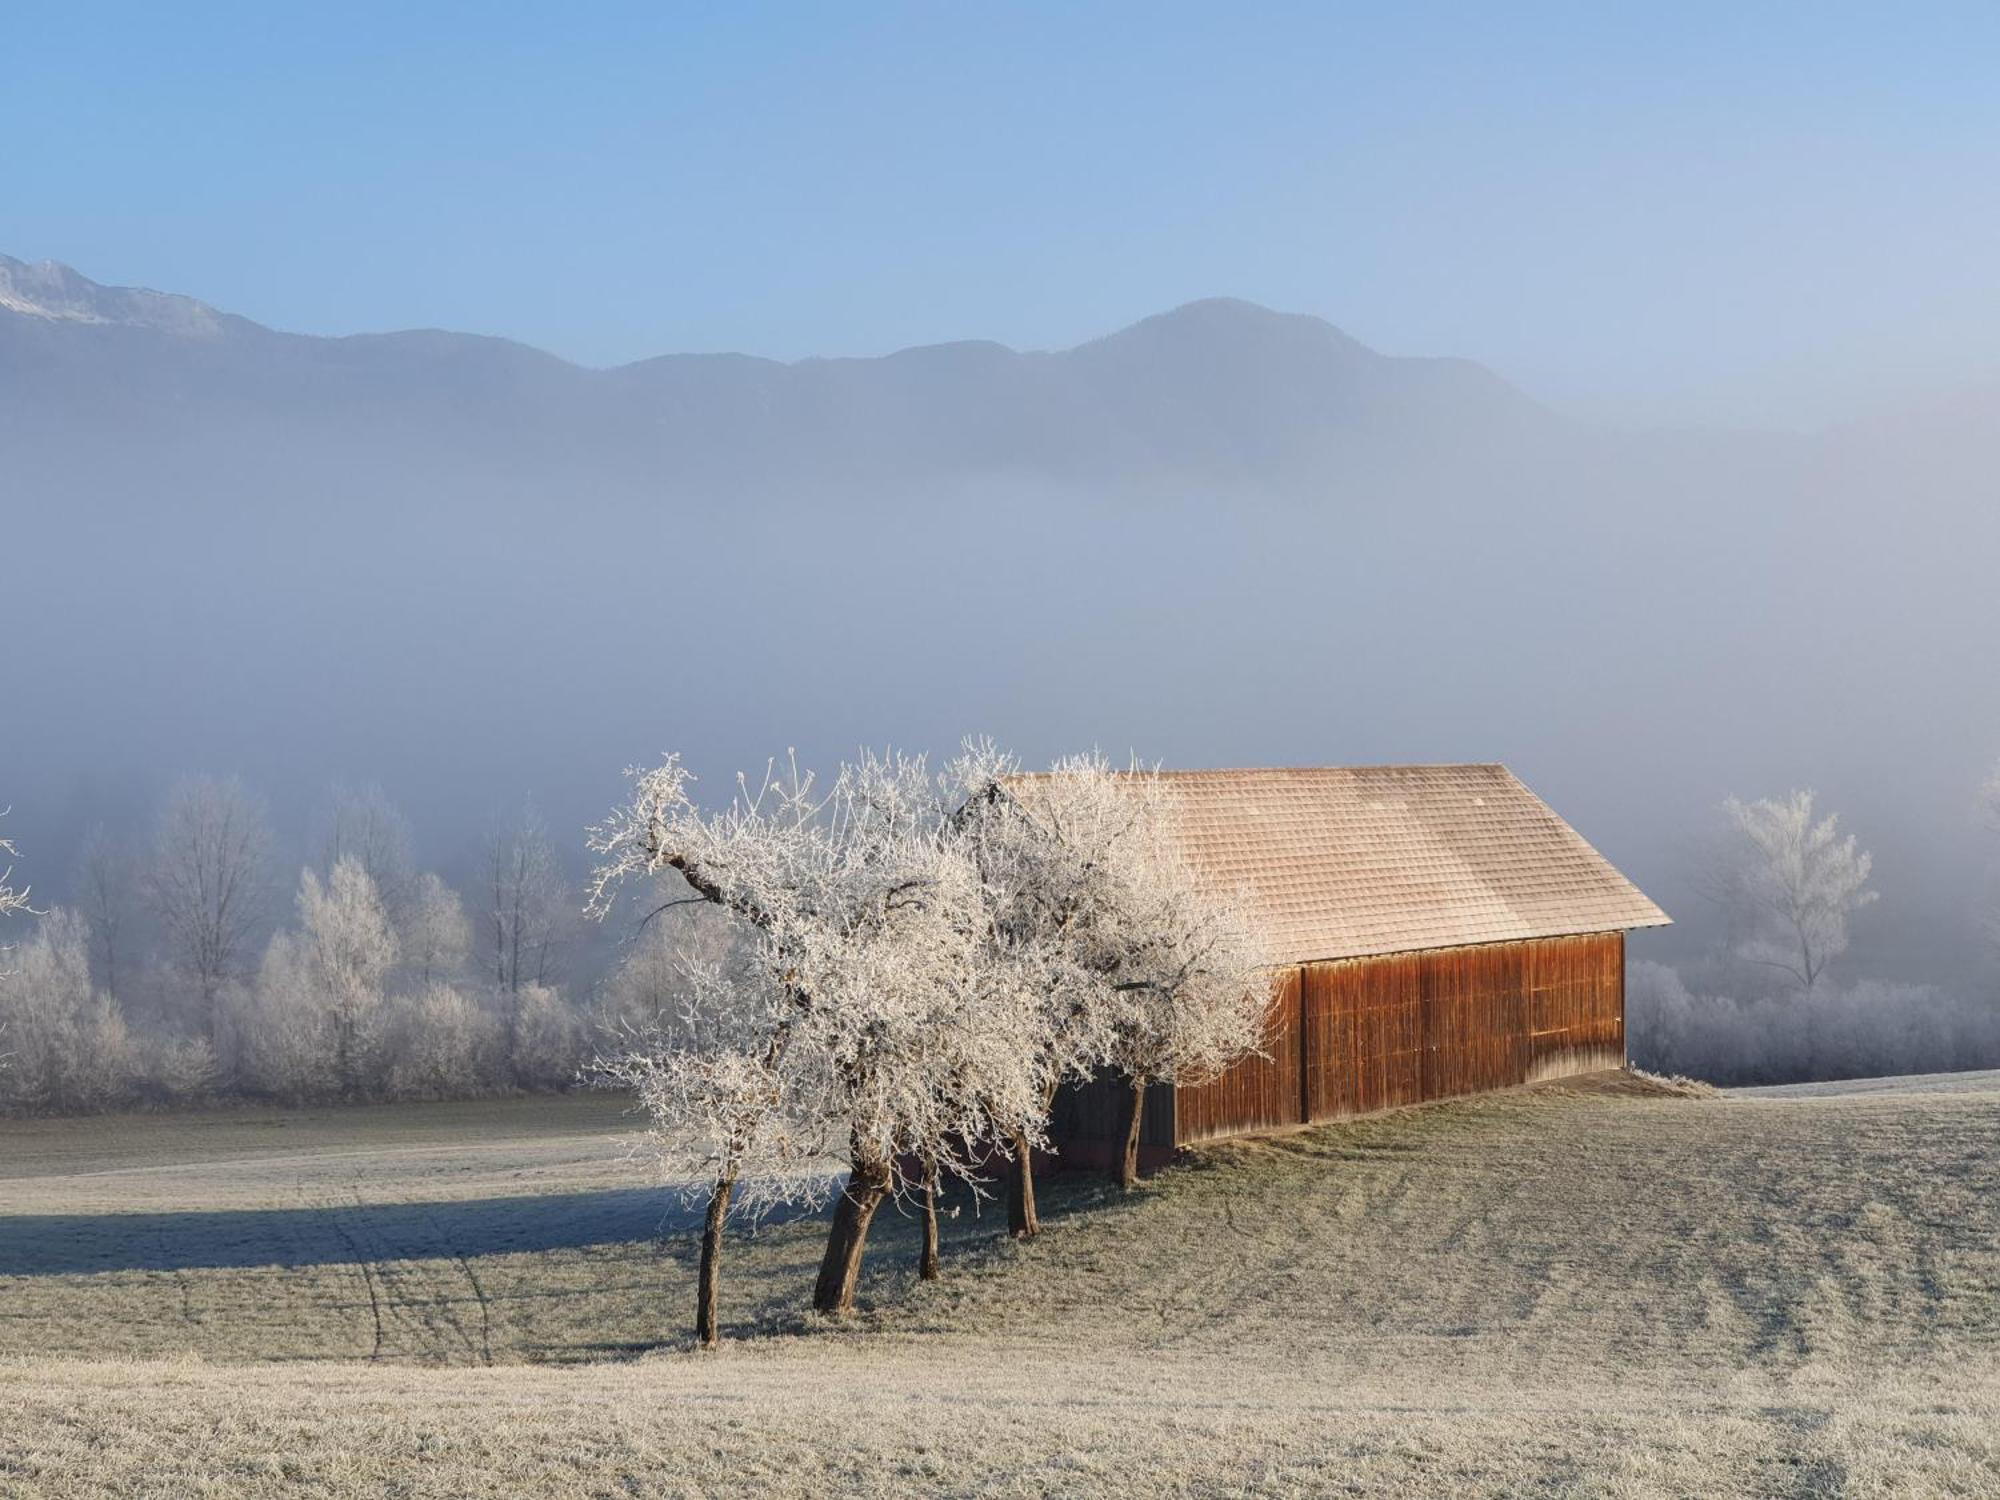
x=54 y=293
x=1221 y=389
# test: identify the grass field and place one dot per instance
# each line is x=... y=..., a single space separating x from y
x=1552 y=1292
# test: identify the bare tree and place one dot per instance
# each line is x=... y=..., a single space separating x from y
x=360 y=823
x=1798 y=881
x=208 y=883
x=104 y=890
x=1989 y=808
x=529 y=903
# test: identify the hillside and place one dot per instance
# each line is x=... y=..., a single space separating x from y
x=1551 y=1292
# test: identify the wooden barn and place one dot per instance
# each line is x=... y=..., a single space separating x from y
x=1439 y=931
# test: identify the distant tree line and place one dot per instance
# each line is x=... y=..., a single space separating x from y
x=1770 y=1003
x=183 y=971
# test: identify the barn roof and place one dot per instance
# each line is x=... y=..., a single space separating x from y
x=1348 y=861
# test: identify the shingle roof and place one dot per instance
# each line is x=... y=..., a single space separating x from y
x=1348 y=861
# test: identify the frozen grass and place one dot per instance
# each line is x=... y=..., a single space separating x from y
x=1550 y=1292
x=1900 y=1083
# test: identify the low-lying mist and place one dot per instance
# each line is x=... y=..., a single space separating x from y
x=483 y=579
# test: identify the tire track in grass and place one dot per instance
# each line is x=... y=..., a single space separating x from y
x=360 y=1260
x=485 y=1349
x=415 y=1299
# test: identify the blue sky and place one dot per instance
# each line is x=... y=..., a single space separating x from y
x=1768 y=213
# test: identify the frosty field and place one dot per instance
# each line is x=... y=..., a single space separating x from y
x=1550 y=1292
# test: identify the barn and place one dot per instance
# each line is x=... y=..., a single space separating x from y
x=1438 y=931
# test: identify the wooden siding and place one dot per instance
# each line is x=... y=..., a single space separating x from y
x=1367 y=1034
x=1258 y=1093
x=1093 y=1114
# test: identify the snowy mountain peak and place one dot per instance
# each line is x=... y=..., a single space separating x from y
x=51 y=290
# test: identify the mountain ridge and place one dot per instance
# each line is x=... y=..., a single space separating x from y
x=1218 y=388
x=54 y=292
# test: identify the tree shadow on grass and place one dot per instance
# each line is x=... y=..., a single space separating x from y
x=334 y=1234
x=973 y=1241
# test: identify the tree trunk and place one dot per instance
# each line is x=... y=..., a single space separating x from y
x=840 y=1269
x=1128 y=1166
x=1022 y=1221
x=707 y=1322
x=927 y=1261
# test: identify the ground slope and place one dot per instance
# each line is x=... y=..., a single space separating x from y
x=1547 y=1292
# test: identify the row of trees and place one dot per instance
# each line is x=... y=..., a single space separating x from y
x=381 y=986
x=917 y=961
x=207 y=883
x=333 y=1012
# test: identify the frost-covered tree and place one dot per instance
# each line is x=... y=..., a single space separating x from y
x=651 y=976
x=1796 y=880
x=737 y=1124
x=546 y=1046
x=1791 y=883
x=13 y=898
x=350 y=948
x=1048 y=850
x=67 y=1041
x=208 y=884
x=321 y=988
x=869 y=918
x=1186 y=967
x=434 y=932
x=1142 y=965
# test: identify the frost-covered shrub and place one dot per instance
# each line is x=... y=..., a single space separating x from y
x=176 y=1071
x=441 y=1044
x=68 y=1045
x=549 y=1043
x=1867 y=1028
x=284 y=1035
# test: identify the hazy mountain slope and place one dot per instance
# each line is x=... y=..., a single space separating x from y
x=1224 y=389
x=1223 y=535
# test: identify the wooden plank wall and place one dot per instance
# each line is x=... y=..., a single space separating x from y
x=1093 y=1114
x=1367 y=1034
x=1258 y=1093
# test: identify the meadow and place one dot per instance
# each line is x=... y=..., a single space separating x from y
x=1583 y=1290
